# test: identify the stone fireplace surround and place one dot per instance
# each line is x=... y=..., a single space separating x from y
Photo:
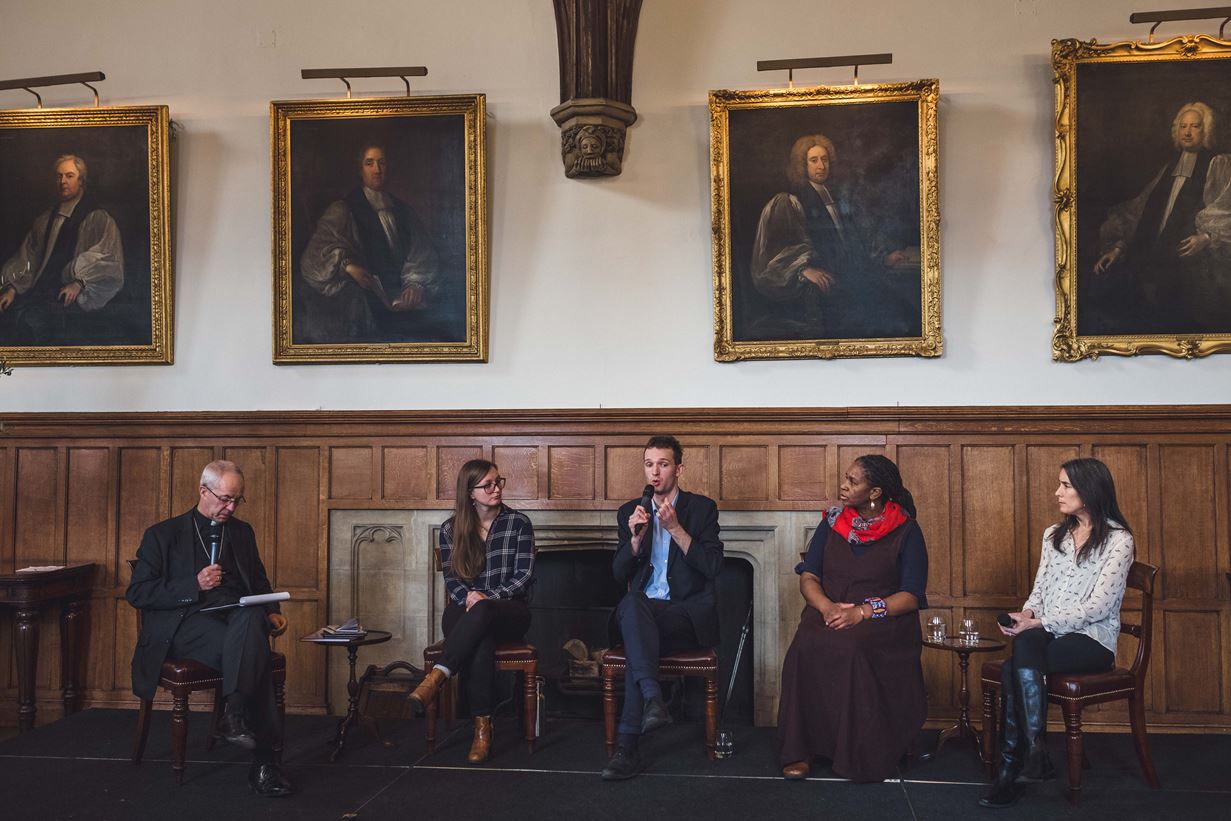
x=381 y=569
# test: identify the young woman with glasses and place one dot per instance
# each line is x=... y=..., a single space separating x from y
x=487 y=556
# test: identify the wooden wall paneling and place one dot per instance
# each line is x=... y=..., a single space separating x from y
x=297 y=519
x=744 y=471
x=406 y=473
x=449 y=461
x=186 y=466
x=700 y=473
x=138 y=503
x=305 y=662
x=258 y=493
x=925 y=472
x=1189 y=541
x=100 y=647
x=570 y=472
x=8 y=507
x=38 y=535
x=1194 y=672
x=991 y=560
x=623 y=471
x=87 y=531
x=801 y=473
x=940 y=673
x=1222 y=521
x=519 y=464
x=1042 y=510
x=1130 y=468
x=124 y=629
x=350 y=473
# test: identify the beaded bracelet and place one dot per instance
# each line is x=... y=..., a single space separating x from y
x=879 y=608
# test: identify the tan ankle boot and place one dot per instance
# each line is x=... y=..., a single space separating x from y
x=481 y=747
x=426 y=692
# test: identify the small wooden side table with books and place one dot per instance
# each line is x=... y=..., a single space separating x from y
x=352 y=645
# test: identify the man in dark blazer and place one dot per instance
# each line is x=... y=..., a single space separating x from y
x=669 y=555
x=204 y=558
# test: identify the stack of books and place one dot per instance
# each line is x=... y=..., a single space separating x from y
x=347 y=631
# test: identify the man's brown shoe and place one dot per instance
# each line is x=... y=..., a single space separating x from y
x=481 y=747
x=795 y=772
x=426 y=692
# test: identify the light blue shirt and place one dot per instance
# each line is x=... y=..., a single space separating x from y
x=659 y=556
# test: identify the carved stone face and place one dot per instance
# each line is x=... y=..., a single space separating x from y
x=589 y=143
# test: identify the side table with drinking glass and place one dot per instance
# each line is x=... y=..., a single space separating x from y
x=964 y=644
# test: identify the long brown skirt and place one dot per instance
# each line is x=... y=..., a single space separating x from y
x=853 y=696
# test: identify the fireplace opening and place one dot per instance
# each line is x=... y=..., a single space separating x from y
x=573 y=598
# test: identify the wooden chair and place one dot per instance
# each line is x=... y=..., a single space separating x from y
x=1073 y=692
x=516 y=657
x=700 y=663
x=184 y=677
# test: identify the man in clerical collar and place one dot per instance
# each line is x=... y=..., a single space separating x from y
x=369 y=265
x=669 y=556
x=1168 y=248
x=203 y=558
x=71 y=261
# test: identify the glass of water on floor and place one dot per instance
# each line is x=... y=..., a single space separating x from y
x=970 y=633
x=724 y=744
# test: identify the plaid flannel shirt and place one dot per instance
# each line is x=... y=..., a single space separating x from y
x=510 y=559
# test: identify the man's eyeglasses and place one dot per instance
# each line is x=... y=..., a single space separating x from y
x=226 y=500
x=488 y=487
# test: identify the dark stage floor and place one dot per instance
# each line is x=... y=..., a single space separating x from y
x=78 y=768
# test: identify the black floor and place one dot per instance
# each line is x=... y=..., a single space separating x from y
x=78 y=768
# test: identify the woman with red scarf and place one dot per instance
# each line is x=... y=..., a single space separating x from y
x=852 y=682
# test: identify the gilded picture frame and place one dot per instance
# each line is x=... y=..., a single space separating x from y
x=380 y=243
x=1141 y=192
x=85 y=236
x=826 y=222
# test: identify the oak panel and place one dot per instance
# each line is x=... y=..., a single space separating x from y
x=925 y=472
x=1189 y=538
x=1193 y=661
x=570 y=472
x=801 y=472
x=305 y=662
x=99 y=647
x=406 y=473
x=1042 y=511
x=140 y=506
x=990 y=557
x=695 y=470
x=1129 y=466
x=350 y=473
x=625 y=473
x=449 y=461
x=519 y=464
x=256 y=508
x=744 y=472
x=124 y=619
x=186 y=467
x=89 y=492
x=297 y=536
x=940 y=678
x=36 y=539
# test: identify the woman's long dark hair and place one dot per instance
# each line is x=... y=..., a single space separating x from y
x=1093 y=483
x=469 y=555
x=881 y=472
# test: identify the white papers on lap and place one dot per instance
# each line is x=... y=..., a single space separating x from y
x=47 y=569
x=262 y=598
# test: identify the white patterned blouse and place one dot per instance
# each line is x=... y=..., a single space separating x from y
x=1083 y=598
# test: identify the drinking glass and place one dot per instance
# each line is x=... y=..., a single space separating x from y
x=936 y=628
x=969 y=633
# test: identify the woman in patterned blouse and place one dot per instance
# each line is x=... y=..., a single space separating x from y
x=487 y=556
x=1070 y=622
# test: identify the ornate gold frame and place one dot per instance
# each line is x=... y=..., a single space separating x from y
x=1066 y=344
x=156 y=121
x=930 y=343
x=472 y=108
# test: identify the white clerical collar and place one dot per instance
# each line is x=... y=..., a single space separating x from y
x=822 y=191
x=378 y=199
x=1186 y=165
x=67 y=207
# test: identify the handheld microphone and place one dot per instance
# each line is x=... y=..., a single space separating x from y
x=215 y=541
x=646 y=496
x=1004 y=620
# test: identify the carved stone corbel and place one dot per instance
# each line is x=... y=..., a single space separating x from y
x=596 y=40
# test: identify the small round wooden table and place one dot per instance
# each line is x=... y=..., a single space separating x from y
x=352 y=685
x=963 y=728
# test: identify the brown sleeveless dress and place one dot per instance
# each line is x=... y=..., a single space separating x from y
x=854 y=696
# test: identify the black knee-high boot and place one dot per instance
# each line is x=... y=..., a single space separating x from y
x=1032 y=690
x=1005 y=791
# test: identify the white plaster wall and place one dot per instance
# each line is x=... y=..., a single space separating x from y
x=601 y=290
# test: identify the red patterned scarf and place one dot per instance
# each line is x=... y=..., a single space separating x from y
x=857 y=530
